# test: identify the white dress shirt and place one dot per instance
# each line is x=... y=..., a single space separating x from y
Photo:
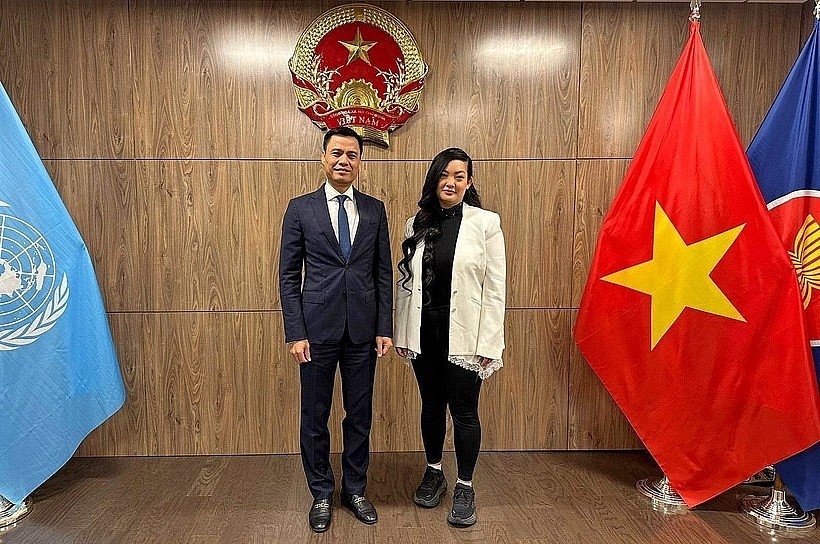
x=350 y=207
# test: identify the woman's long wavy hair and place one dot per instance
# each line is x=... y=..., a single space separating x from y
x=427 y=225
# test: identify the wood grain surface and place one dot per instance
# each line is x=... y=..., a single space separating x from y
x=521 y=497
x=171 y=132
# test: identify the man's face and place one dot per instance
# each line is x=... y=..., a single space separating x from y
x=340 y=161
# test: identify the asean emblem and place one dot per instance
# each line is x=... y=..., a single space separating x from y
x=794 y=218
x=805 y=259
x=31 y=298
x=357 y=65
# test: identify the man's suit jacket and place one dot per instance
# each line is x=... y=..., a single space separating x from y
x=332 y=293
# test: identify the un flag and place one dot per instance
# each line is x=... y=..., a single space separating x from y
x=59 y=375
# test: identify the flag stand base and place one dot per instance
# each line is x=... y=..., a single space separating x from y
x=664 y=498
x=11 y=513
x=774 y=512
x=764 y=477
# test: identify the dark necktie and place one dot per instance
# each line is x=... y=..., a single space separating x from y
x=344 y=227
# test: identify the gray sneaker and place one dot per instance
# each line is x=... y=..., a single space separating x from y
x=432 y=487
x=463 y=512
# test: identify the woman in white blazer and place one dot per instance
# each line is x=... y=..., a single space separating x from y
x=450 y=319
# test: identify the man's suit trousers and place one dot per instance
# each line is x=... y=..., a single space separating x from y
x=357 y=365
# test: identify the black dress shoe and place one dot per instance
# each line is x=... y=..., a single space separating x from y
x=319 y=515
x=362 y=508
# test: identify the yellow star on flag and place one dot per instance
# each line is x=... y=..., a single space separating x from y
x=677 y=276
x=358 y=48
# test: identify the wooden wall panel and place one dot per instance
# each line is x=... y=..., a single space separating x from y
x=224 y=383
x=398 y=185
x=534 y=200
x=126 y=432
x=219 y=383
x=211 y=79
x=807 y=22
x=66 y=66
x=183 y=235
x=107 y=206
x=204 y=235
x=212 y=231
x=629 y=52
x=171 y=131
x=524 y=405
x=209 y=74
x=503 y=80
x=596 y=185
x=396 y=408
x=752 y=51
x=595 y=421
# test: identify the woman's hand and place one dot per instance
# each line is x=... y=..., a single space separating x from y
x=402 y=352
x=484 y=361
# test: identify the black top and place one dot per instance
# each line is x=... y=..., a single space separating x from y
x=443 y=250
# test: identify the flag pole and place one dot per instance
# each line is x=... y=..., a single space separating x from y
x=775 y=512
x=694 y=15
x=11 y=513
x=664 y=497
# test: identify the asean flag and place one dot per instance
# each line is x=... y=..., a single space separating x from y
x=692 y=316
x=784 y=156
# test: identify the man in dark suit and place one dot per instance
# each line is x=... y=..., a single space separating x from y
x=336 y=284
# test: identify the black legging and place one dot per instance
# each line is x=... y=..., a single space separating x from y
x=441 y=383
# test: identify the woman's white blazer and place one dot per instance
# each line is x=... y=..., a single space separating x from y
x=477 y=292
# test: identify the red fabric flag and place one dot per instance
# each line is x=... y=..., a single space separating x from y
x=691 y=315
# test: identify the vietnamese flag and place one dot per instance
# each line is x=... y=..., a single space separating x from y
x=691 y=315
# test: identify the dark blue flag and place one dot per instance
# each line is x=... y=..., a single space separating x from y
x=785 y=157
x=59 y=375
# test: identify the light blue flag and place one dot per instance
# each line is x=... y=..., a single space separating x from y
x=59 y=375
x=785 y=157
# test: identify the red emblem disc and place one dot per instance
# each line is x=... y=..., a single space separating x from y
x=357 y=65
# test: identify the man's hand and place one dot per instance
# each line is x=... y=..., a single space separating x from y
x=300 y=350
x=383 y=345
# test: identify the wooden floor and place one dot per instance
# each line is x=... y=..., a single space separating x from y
x=521 y=497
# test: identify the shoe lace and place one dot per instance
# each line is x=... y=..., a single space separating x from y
x=430 y=481
x=462 y=497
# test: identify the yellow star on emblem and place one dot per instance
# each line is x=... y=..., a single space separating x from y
x=677 y=276
x=358 y=48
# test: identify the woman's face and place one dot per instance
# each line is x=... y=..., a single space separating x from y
x=452 y=184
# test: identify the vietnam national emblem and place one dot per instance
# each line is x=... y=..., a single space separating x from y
x=359 y=66
x=31 y=297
